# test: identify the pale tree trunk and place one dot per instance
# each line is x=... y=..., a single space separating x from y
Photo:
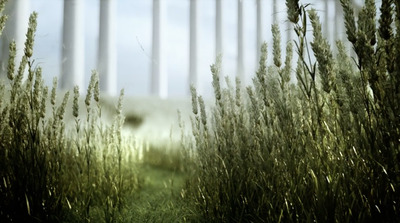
x=219 y=48
x=193 y=79
x=259 y=29
x=218 y=28
x=289 y=31
x=326 y=19
x=72 y=61
x=274 y=12
x=240 y=50
x=339 y=22
x=107 y=58
x=159 y=81
x=15 y=29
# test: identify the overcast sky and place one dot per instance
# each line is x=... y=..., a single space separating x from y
x=134 y=22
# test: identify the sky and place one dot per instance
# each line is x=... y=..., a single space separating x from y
x=134 y=33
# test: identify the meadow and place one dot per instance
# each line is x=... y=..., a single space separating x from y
x=314 y=142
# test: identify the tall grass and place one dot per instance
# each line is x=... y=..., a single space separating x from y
x=322 y=148
x=52 y=173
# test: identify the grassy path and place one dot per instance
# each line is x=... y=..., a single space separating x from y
x=159 y=199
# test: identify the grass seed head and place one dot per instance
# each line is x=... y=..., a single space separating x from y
x=322 y=53
x=286 y=73
x=30 y=35
x=75 y=106
x=96 y=95
x=61 y=109
x=120 y=99
x=37 y=88
x=202 y=111
x=43 y=102
x=3 y=20
x=349 y=19
x=293 y=10
x=276 y=47
x=11 y=60
x=215 y=71
x=386 y=20
x=54 y=92
x=195 y=106
x=90 y=88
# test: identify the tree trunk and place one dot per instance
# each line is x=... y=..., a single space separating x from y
x=326 y=19
x=72 y=61
x=259 y=29
x=15 y=29
x=159 y=81
x=240 y=51
x=218 y=27
x=107 y=58
x=274 y=12
x=193 y=45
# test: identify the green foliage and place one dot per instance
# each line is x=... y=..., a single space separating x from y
x=322 y=149
x=49 y=172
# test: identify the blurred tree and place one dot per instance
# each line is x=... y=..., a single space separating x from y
x=15 y=29
x=240 y=45
x=260 y=26
x=193 y=45
x=107 y=57
x=159 y=81
x=73 y=51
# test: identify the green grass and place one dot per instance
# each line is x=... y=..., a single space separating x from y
x=160 y=197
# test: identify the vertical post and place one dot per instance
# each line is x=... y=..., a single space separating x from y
x=107 y=58
x=274 y=12
x=289 y=29
x=339 y=24
x=15 y=29
x=72 y=65
x=193 y=79
x=218 y=27
x=159 y=84
x=259 y=29
x=326 y=19
x=240 y=51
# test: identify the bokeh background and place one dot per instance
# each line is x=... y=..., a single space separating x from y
x=134 y=35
